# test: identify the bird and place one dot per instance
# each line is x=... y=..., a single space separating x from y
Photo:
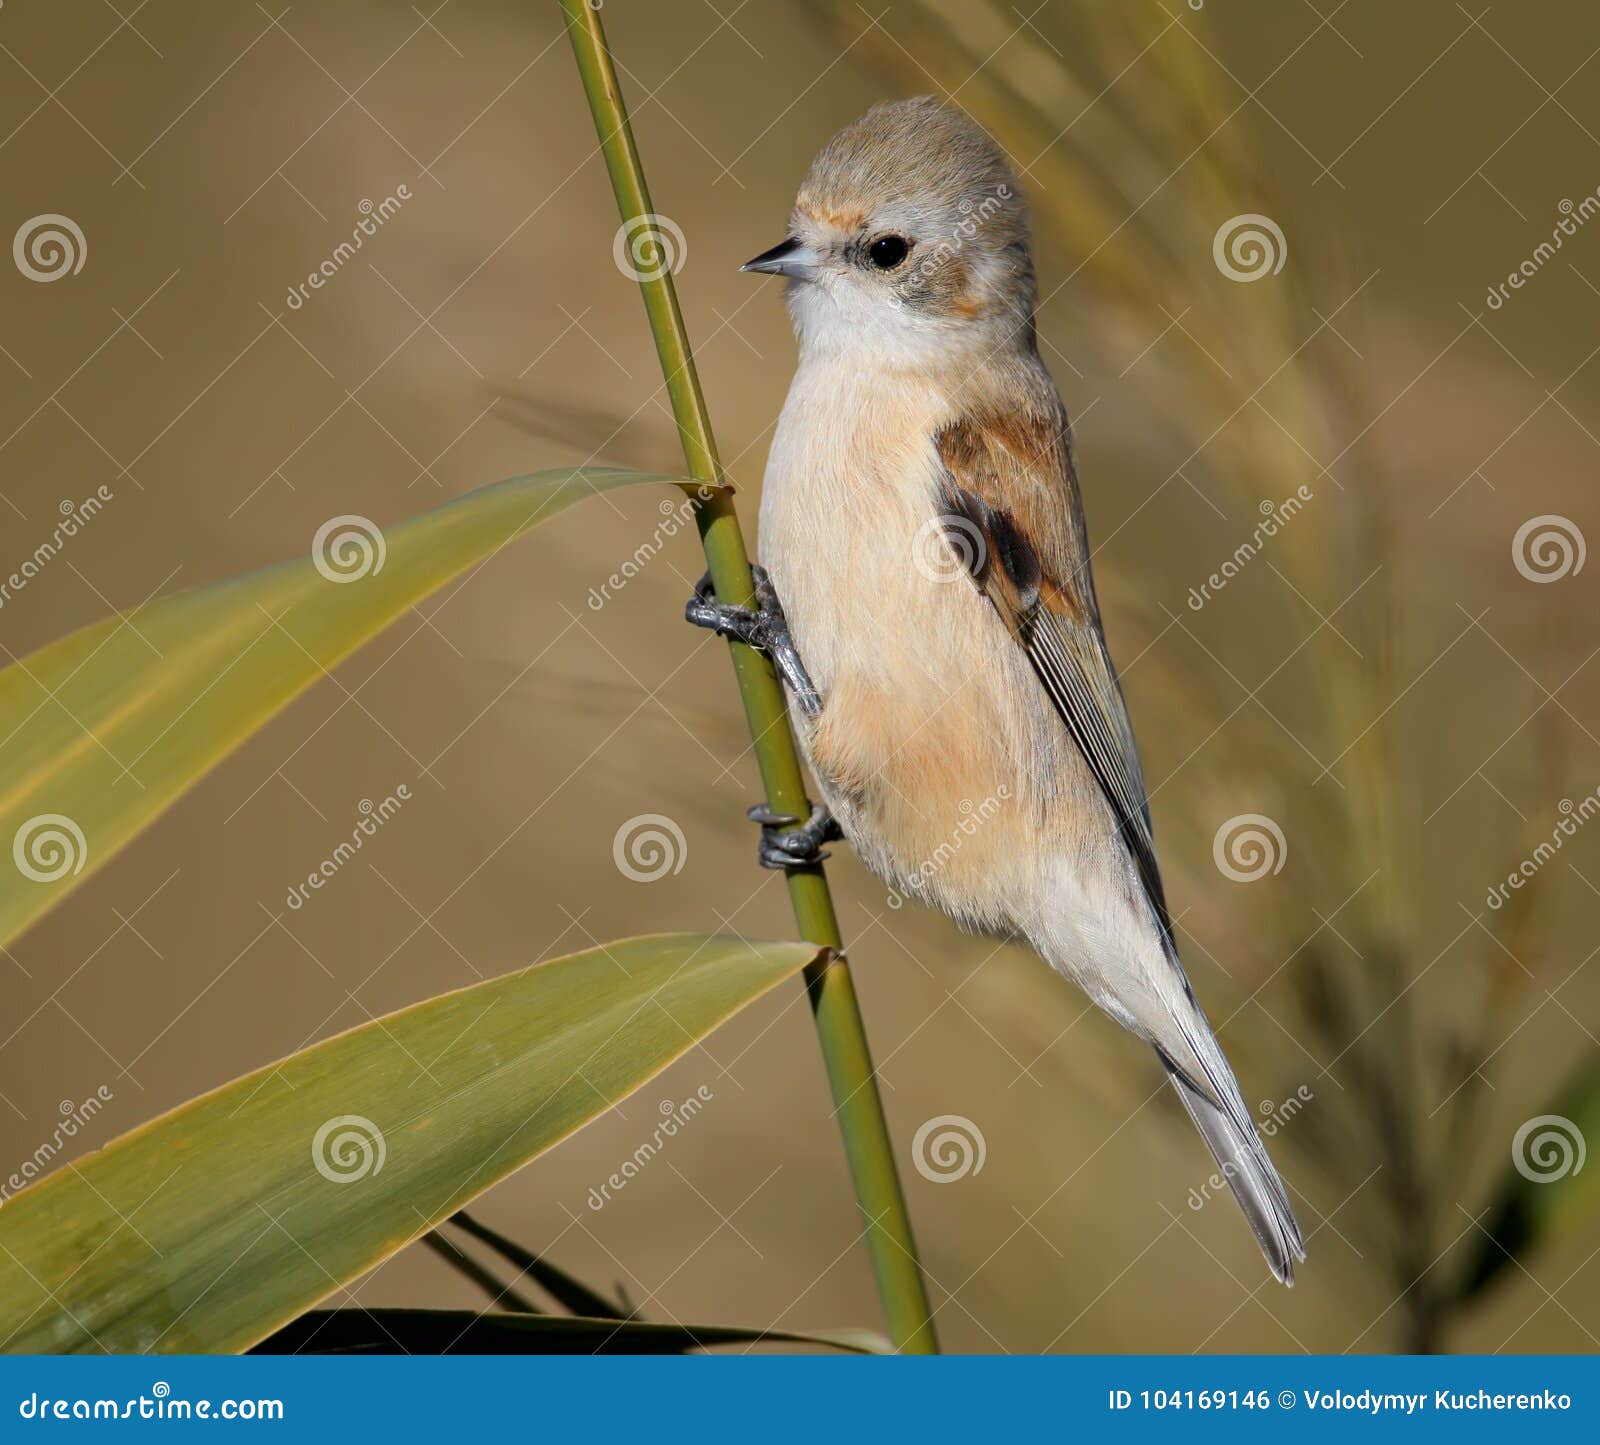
x=925 y=594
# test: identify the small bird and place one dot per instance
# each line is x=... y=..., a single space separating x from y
x=927 y=599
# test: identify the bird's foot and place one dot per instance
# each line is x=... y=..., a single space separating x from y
x=763 y=627
x=801 y=848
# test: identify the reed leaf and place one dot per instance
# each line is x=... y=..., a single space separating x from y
x=214 y=1225
x=106 y=728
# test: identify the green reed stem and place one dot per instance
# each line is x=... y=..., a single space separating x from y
x=845 y=1053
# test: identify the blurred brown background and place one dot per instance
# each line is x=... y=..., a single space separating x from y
x=213 y=155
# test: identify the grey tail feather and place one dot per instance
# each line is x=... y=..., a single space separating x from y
x=1237 y=1148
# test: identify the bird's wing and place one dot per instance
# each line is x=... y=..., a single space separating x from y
x=1010 y=510
x=1009 y=505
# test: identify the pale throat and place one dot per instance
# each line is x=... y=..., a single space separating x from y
x=871 y=334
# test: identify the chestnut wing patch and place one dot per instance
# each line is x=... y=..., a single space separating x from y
x=1055 y=626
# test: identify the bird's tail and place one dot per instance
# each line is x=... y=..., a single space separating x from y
x=1219 y=1113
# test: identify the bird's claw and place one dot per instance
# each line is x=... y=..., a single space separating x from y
x=800 y=848
x=764 y=815
x=763 y=627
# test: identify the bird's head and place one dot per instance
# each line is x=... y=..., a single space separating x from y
x=909 y=237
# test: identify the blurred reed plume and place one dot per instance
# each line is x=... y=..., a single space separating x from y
x=1134 y=143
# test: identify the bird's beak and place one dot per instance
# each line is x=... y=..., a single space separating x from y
x=791 y=257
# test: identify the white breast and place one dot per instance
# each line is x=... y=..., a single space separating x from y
x=849 y=492
x=930 y=712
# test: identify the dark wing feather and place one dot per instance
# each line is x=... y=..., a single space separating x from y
x=994 y=505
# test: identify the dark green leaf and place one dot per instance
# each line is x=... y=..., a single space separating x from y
x=1546 y=1189
x=570 y=1293
x=461 y=1332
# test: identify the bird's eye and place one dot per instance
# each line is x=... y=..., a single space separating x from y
x=887 y=252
